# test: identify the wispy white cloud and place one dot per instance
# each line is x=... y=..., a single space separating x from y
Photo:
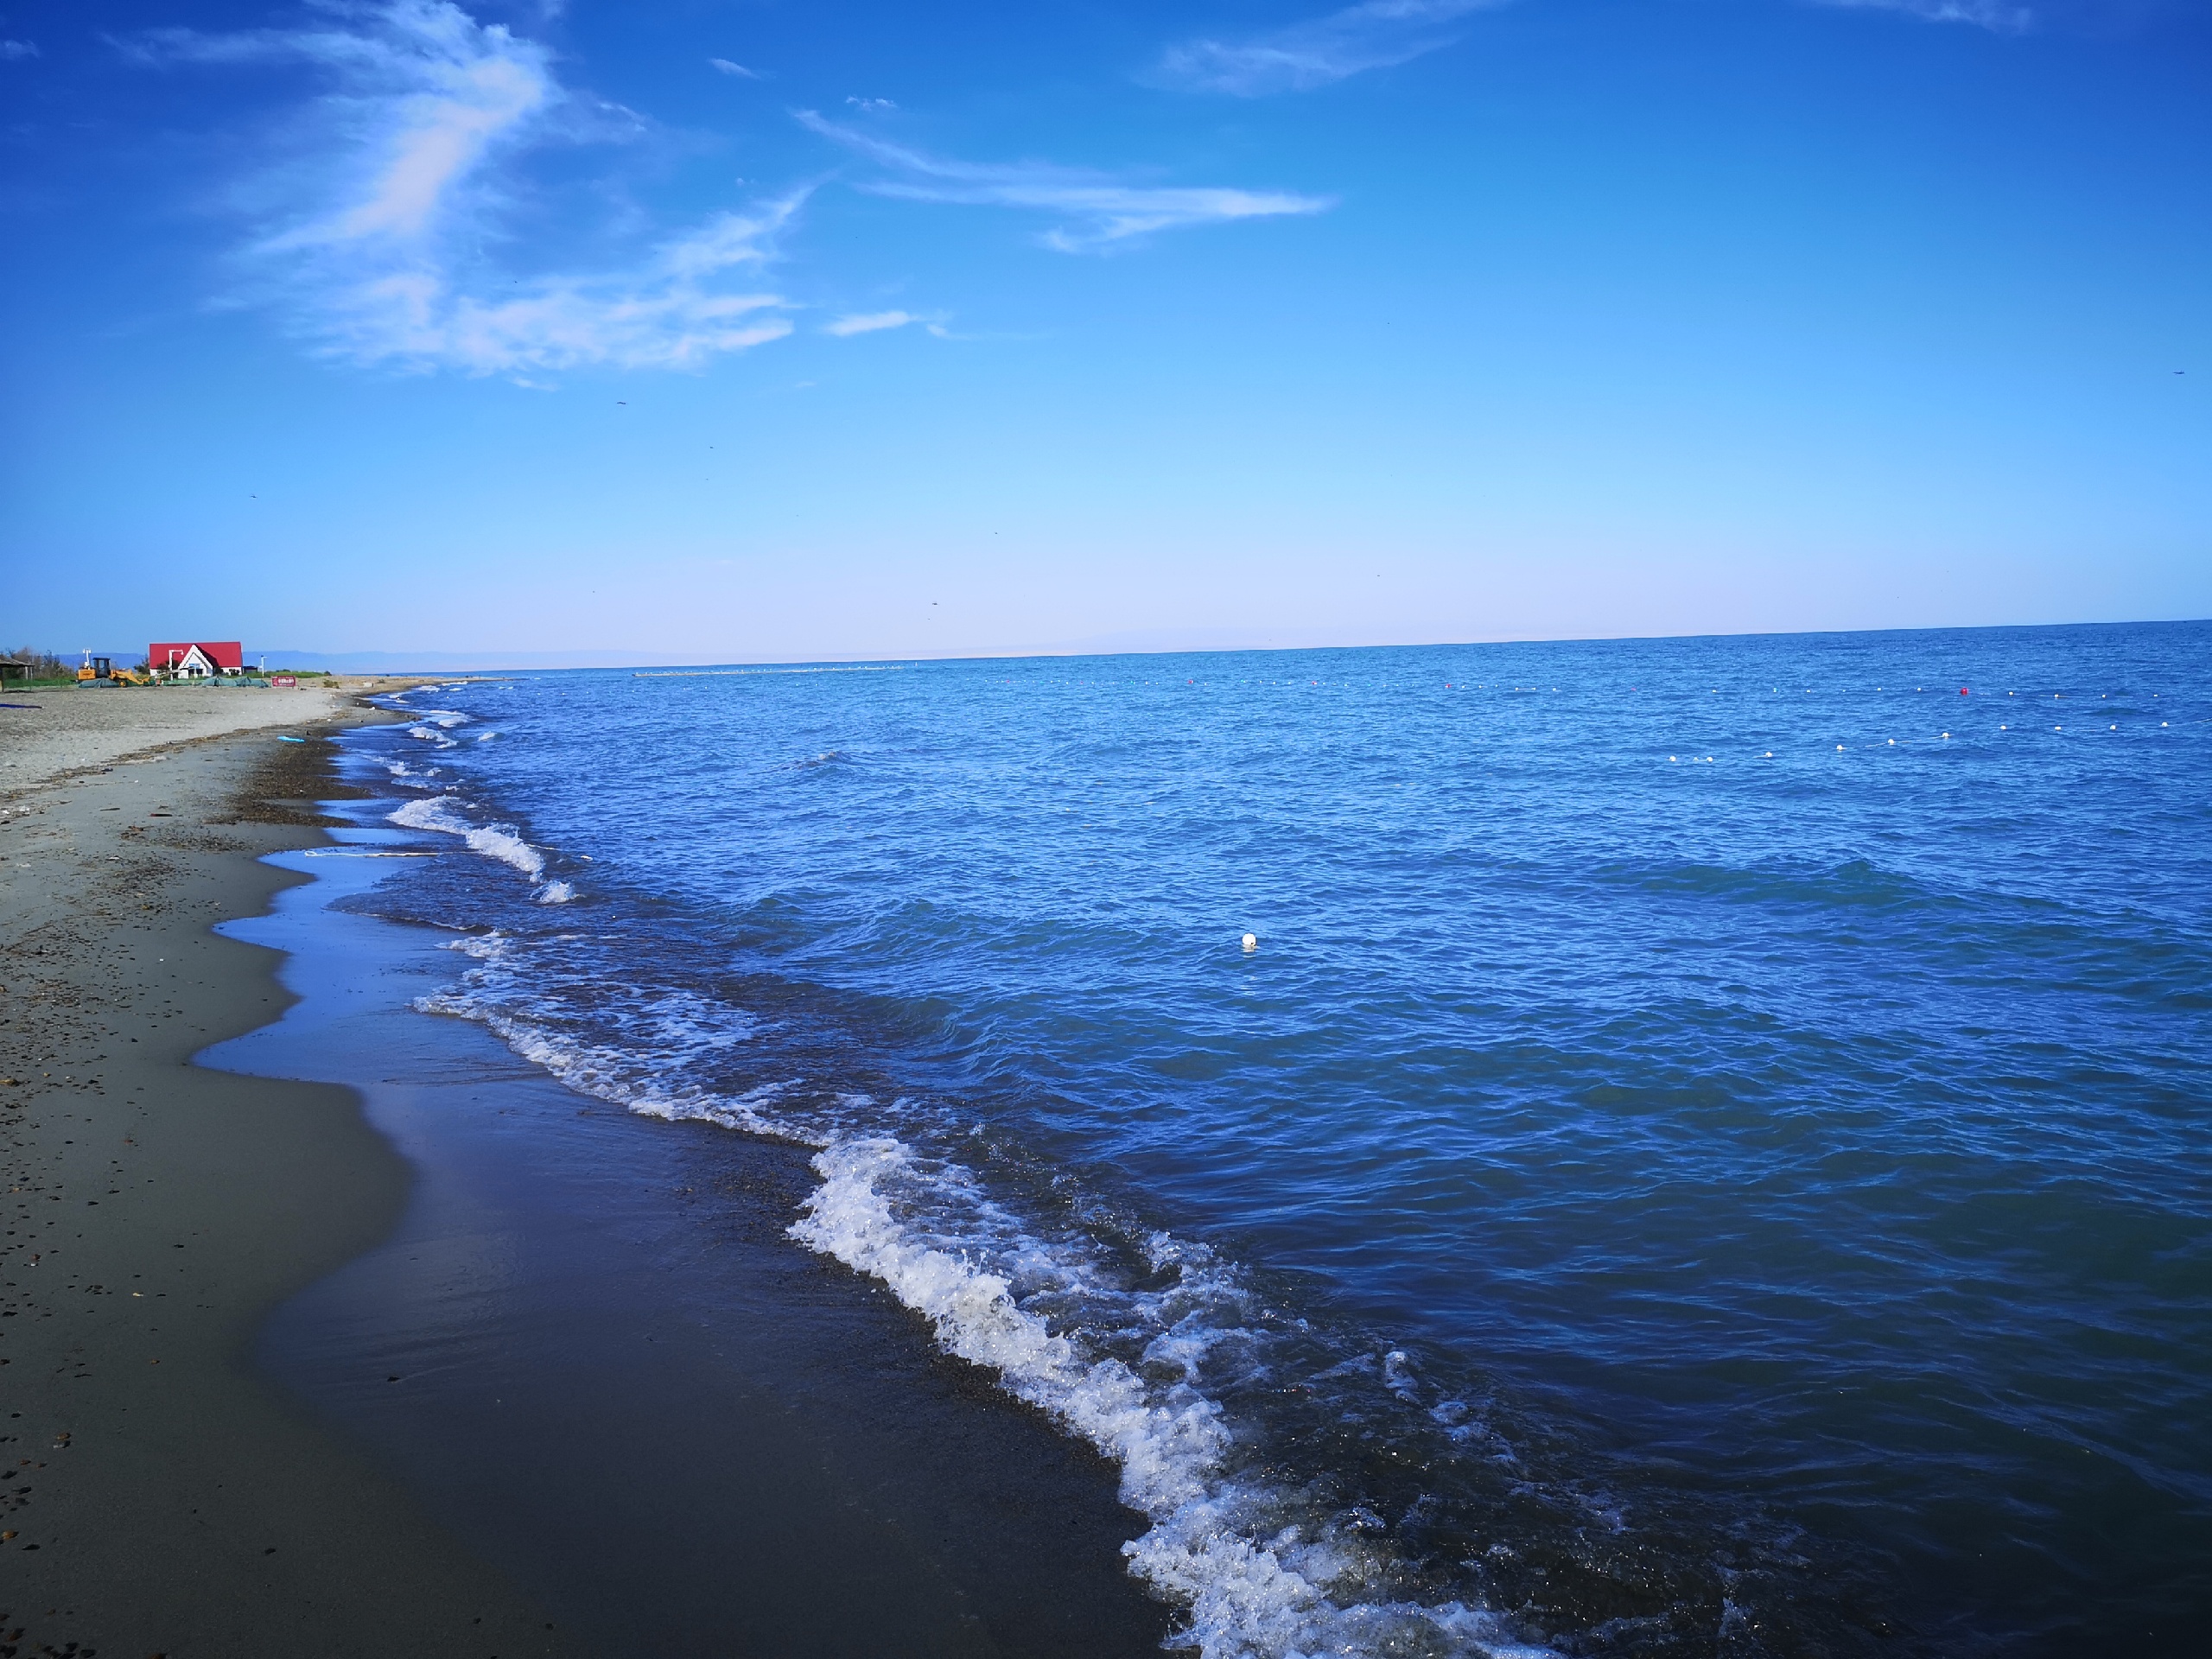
x=403 y=172
x=1983 y=13
x=11 y=50
x=872 y=105
x=1094 y=210
x=869 y=322
x=1320 y=50
x=738 y=69
x=669 y=312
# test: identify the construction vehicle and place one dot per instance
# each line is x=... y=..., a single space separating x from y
x=102 y=670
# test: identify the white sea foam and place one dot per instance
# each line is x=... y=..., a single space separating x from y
x=1259 y=1574
x=501 y=841
x=599 y=1071
x=555 y=892
x=431 y=812
x=498 y=840
x=1254 y=1587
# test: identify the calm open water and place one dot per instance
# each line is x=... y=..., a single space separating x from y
x=1711 y=1153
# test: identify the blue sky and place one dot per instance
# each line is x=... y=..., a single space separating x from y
x=709 y=330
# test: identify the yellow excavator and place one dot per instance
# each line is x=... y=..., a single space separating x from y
x=101 y=669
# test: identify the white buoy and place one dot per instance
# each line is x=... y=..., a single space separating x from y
x=1251 y=941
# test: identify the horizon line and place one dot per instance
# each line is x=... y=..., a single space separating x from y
x=1101 y=646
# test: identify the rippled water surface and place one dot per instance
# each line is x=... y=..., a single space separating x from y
x=1709 y=1152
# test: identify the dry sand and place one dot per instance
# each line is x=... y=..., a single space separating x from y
x=67 y=730
x=161 y=1499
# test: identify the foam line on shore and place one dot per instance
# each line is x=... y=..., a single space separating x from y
x=1260 y=1574
x=1218 y=1546
x=499 y=841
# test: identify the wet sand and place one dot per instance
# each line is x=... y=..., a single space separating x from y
x=630 y=1416
x=591 y=1345
x=164 y=1498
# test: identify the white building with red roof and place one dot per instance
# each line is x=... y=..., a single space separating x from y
x=196 y=660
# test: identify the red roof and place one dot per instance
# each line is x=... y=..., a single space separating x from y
x=228 y=655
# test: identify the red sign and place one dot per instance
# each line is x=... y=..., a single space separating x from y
x=283 y=679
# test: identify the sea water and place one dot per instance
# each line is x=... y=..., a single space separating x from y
x=1706 y=1152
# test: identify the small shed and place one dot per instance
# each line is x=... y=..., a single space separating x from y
x=196 y=659
x=12 y=669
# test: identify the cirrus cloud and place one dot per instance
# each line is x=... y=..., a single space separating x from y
x=1377 y=35
x=406 y=167
x=868 y=322
x=1983 y=13
x=1095 y=209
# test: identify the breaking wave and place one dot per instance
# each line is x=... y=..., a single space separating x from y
x=499 y=841
x=1117 y=1359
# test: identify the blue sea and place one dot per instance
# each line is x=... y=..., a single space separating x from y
x=1705 y=1149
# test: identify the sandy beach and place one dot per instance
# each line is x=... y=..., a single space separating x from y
x=210 y=1273
x=49 y=732
x=162 y=1499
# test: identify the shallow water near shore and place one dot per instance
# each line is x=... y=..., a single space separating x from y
x=589 y=1346
x=1707 y=1154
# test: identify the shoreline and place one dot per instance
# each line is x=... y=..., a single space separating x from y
x=169 y=1499
x=54 y=735
x=211 y=1250
x=588 y=1315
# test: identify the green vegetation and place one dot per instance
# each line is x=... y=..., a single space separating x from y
x=46 y=669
